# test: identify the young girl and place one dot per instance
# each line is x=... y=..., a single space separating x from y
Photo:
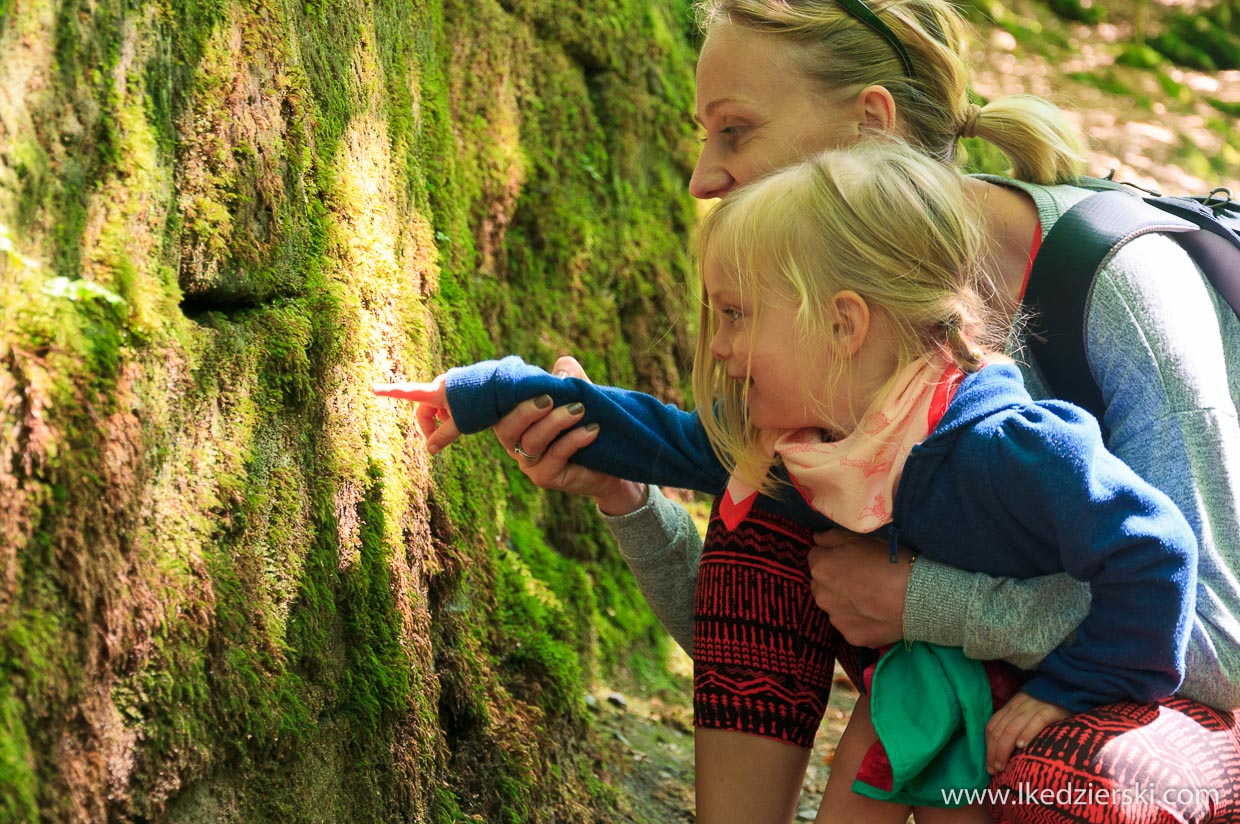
x=843 y=353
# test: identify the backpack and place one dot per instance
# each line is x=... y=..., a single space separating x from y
x=1086 y=237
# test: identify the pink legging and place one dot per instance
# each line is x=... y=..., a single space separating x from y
x=1127 y=763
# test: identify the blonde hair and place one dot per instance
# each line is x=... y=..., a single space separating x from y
x=878 y=218
x=838 y=51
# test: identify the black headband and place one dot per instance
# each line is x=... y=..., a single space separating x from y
x=862 y=12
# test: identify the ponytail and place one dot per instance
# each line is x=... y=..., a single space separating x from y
x=966 y=328
x=1035 y=135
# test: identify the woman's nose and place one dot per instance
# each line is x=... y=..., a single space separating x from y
x=710 y=178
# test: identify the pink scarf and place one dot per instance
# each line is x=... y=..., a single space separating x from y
x=853 y=481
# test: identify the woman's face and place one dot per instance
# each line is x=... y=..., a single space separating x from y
x=759 y=110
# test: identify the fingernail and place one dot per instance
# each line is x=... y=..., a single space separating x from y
x=432 y=448
x=576 y=408
x=542 y=401
x=591 y=428
x=1021 y=743
x=563 y=373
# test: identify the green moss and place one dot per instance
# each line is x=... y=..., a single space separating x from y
x=1227 y=107
x=218 y=476
x=1113 y=85
x=544 y=611
x=183 y=29
x=1202 y=41
x=285 y=336
x=1140 y=56
x=376 y=676
x=33 y=176
x=1082 y=12
x=18 y=799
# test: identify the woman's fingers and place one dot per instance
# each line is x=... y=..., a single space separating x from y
x=566 y=366
x=552 y=428
x=554 y=468
x=512 y=426
x=837 y=538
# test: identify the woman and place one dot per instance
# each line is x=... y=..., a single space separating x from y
x=777 y=81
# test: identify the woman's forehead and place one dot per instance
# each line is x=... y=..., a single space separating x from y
x=746 y=66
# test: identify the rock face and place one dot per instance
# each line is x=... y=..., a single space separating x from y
x=233 y=587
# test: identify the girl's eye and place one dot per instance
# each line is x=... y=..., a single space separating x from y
x=732 y=315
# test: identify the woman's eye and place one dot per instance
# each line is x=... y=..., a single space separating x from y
x=732 y=132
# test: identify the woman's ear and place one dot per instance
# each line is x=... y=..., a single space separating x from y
x=876 y=109
x=850 y=322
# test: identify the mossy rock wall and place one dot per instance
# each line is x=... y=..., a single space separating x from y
x=233 y=587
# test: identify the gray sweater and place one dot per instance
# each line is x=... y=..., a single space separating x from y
x=1165 y=350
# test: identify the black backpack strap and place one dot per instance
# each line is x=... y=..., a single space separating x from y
x=1061 y=282
x=1216 y=248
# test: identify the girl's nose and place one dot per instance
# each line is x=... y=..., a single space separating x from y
x=719 y=347
x=710 y=178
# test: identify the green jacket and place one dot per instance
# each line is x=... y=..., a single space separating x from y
x=930 y=705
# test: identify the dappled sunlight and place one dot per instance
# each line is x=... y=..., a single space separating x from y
x=1144 y=145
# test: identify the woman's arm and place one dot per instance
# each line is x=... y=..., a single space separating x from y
x=1165 y=350
x=662 y=547
x=1002 y=618
x=874 y=602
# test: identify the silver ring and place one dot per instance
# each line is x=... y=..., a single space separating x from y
x=516 y=447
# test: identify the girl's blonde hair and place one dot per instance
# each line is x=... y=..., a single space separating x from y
x=838 y=51
x=878 y=218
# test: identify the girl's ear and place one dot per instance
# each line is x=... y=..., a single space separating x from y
x=851 y=321
x=876 y=109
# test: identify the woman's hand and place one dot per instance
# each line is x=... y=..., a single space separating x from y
x=853 y=579
x=1015 y=725
x=548 y=434
x=433 y=415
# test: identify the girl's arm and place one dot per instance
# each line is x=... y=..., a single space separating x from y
x=640 y=438
x=657 y=539
x=1165 y=350
x=1072 y=502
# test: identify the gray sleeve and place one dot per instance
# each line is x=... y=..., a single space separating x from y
x=662 y=547
x=992 y=618
x=1165 y=350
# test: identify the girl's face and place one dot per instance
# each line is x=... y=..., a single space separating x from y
x=759 y=110
x=756 y=341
